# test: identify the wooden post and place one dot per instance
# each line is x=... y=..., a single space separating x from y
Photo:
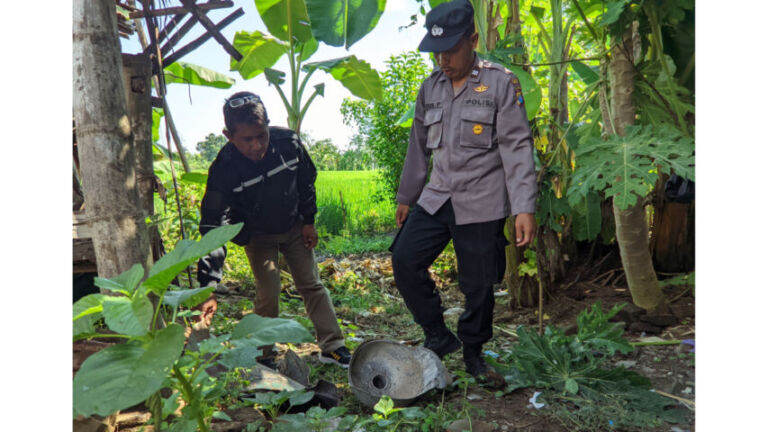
x=137 y=72
x=105 y=144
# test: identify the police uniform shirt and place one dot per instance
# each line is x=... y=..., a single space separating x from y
x=480 y=143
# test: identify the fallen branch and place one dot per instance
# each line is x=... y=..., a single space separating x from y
x=689 y=403
x=507 y=331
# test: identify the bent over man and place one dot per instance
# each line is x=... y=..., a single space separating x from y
x=471 y=120
x=264 y=177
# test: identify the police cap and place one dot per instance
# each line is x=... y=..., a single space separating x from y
x=446 y=24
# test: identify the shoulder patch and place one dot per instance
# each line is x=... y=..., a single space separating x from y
x=518 y=90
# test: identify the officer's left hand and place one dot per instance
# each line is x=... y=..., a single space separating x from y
x=310 y=236
x=525 y=229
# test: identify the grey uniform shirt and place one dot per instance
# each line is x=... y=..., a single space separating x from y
x=480 y=143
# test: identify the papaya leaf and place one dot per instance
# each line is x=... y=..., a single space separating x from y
x=259 y=52
x=343 y=22
x=287 y=20
x=188 y=73
x=625 y=167
x=356 y=75
x=123 y=375
x=185 y=253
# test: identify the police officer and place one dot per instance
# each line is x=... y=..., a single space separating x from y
x=470 y=118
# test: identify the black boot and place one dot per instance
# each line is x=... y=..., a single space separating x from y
x=440 y=340
x=474 y=362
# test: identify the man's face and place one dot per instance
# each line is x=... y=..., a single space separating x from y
x=457 y=61
x=251 y=139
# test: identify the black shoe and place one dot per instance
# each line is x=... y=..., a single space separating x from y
x=474 y=362
x=340 y=357
x=441 y=340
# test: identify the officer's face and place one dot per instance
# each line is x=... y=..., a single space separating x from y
x=457 y=62
x=252 y=140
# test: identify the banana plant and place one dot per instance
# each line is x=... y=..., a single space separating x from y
x=296 y=28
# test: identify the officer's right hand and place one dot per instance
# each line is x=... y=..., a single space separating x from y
x=401 y=214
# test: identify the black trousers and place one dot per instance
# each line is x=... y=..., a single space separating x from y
x=480 y=255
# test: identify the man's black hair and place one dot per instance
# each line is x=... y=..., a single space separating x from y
x=251 y=112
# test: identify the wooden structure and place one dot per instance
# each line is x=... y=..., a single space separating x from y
x=161 y=51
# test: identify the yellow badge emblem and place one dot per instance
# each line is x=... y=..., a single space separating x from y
x=481 y=88
x=477 y=129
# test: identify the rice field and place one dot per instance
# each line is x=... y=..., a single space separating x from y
x=347 y=204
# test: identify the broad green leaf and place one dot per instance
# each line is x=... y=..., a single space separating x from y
x=300 y=397
x=259 y=52
x=586 y=73
x=266 y=331
x=320 y=89
x=287 y=20
x=185 y=253
x=188 y=73
x=307 y=48
x=356 y=75
x=123 y=375
x=406 y=120
x=124 y=283
x=434 y=3
x=613 y=12
x=243 y=353
x=212 y=344
x=187 y=297
x=128 y=316
x=343 y=22
x=587 y=220
x=625 y=167
x=195 y=177
x=85 y=312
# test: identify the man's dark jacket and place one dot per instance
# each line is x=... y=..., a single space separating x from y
x=270 y=196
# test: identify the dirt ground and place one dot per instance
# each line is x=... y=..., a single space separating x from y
x=670 y=368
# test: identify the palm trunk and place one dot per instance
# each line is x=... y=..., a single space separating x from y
x=105 y=145
x=631 y=225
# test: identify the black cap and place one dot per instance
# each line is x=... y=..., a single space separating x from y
x=446 y=24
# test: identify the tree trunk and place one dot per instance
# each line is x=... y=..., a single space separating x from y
x=137 y=72
x=104 y=141
x=631 y=226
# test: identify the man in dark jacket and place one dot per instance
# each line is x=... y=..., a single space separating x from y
x=264 y=178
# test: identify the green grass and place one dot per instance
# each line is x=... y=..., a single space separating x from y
x=347 y=204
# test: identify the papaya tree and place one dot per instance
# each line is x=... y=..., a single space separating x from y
x=627 y=164
x=296 y=27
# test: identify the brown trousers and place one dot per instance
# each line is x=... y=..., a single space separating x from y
x=262 y=253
